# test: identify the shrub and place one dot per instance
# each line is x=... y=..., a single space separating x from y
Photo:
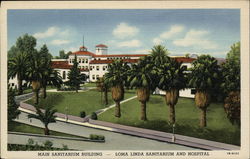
x=48 y=144
x=94 y=116
x=82 y=114
x=96 y=137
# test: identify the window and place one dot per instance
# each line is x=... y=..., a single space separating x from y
x=104 y=68
x=93 y=77
x=86 y=67
x=97 y=77
x=70 y=61
x=12 y=84
x=87 y=60
x=99 y=58
x=79 y=61
x=64 y=75
x=185 y=67
x=90 y=68
x=193 y=91
x=97 y=68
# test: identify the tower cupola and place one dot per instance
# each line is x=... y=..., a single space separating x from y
x=101 y=49
x=82 y=48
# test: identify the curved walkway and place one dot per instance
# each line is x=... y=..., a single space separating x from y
x=113 y=140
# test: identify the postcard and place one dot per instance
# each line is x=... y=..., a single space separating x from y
x=125 y=79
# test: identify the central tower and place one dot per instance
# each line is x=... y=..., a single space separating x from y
x=101 y=49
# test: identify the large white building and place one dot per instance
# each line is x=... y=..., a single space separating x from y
x=95 y=65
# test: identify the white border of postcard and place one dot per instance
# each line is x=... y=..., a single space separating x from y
x=243 y=5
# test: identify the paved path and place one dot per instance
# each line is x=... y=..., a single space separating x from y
x=114 y=141
x=85 y=89
x=23 y=97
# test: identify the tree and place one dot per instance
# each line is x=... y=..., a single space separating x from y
x=172 y=79
x=13 y=111
x=116 y=78
x=204 y=78
x=12 y=52
x=35 y=73
x=19 y=54
x=26 y=43
x=49 y=75
x=102 y=87
x=46 y=116
x=159 y=55
x=17 y=66
x=141 y=77
x=74 y=76
x=231 y=84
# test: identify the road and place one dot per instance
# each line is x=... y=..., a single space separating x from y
x=114 y=141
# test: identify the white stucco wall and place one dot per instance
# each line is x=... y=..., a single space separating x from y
x=94 y=72
x=182 y=93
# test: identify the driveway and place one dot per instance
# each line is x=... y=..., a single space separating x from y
x=114 y=141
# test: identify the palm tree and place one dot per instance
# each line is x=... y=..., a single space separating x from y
x=50 y=77
x=204 y=78
x=141 y=77
x=159 y=55
x=102 y=87
x=17 y=67
x=45 y=116
x=35 y=73
x=116 y=78
x=171 y=79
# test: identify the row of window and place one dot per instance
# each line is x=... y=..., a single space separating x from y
x=113 y=58
x=95 y=77
x=104 y=68
x=79 y=60
x=84 y=67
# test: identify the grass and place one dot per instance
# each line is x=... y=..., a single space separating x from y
x=25 y=128
x=29 y=90
x=89 y=101
x=187 y=119
x=90 y=84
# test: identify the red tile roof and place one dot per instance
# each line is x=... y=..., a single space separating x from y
x=61 y=64
x=64 y=65
x=110 y=61
x=83 y=53
x=83 y=47
x=121 y=55
x=101 y=45
x=184 y=59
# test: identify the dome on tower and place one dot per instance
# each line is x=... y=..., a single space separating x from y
x=101 y=49
x=101 y=45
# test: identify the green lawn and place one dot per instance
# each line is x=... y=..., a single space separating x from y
x=187 y=119
x=89 y=101
x=29 y=90
x=90 y=84
x=20 y=127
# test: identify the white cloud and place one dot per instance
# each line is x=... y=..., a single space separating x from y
x=123 y=30
x=48 y=33
x=59 y=42
x=196 y=38
x=157 y=41
x=174 y=30
x=130 y=43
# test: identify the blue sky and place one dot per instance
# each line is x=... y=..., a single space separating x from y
x=181 y=31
